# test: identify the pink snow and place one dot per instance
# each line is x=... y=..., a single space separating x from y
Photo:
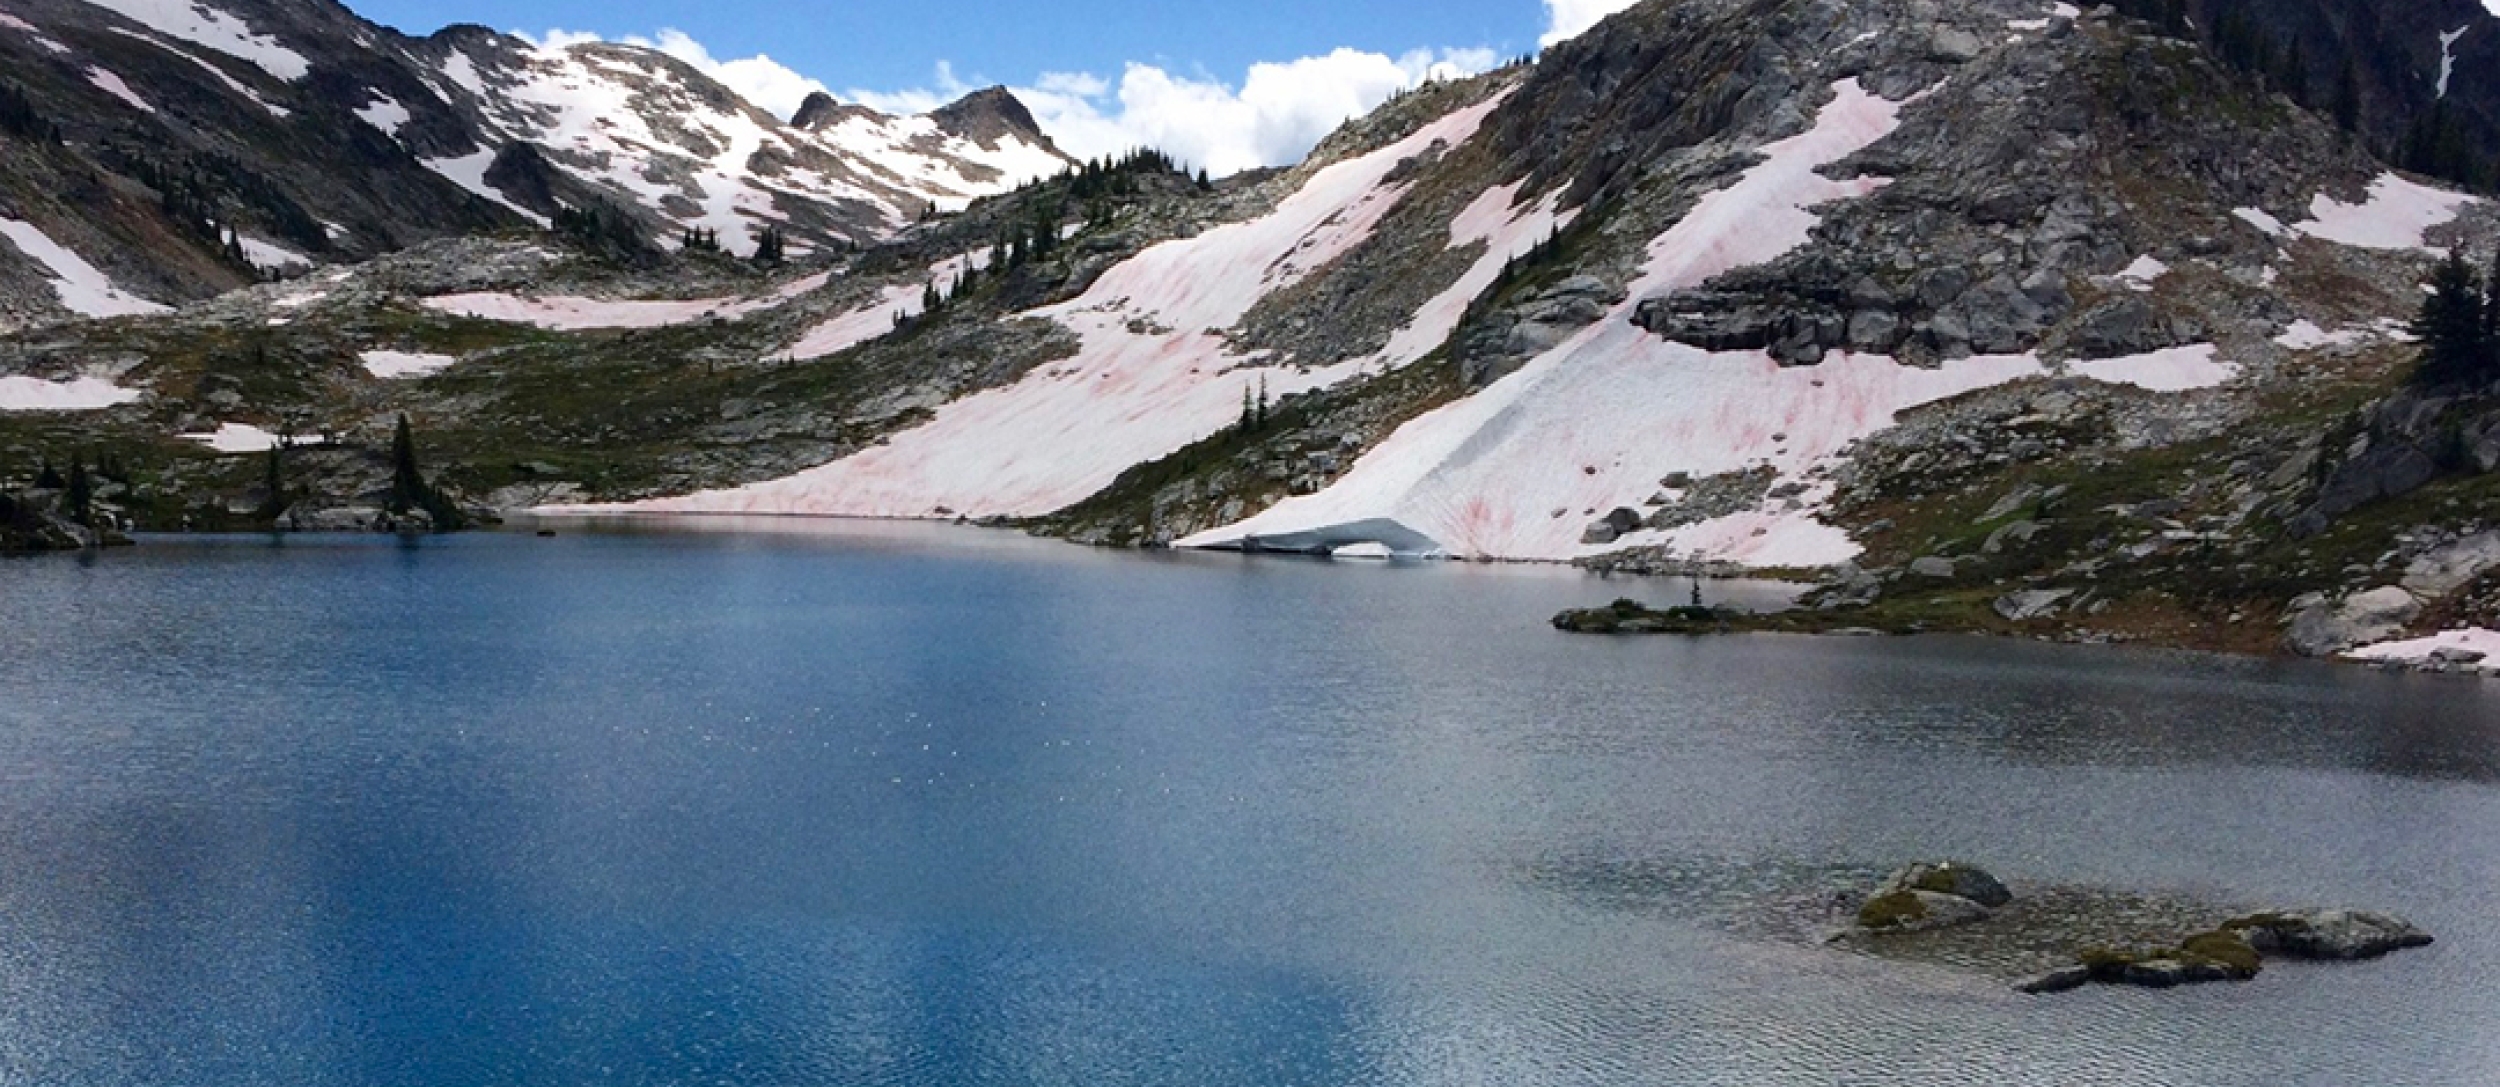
x=2397 y=215
x=1520 y=470
x=112 y=84
x=1154 y=374
x=2420 y=650
x=79 y=286
x=76 y=394
x=876 y=319
x=565 y=313
x=2172 y=370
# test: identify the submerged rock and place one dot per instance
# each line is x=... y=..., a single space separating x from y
x=2328 y=935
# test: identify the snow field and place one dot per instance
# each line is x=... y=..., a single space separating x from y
x=1154 y=374
x=80 y=287
x=1521 y=469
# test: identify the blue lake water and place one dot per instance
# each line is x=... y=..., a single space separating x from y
x=868 y=804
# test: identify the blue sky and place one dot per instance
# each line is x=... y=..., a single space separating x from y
x=1224 y=86
x=893 y=43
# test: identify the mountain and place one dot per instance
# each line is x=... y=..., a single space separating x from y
x=199 y=144
x=1997 y=314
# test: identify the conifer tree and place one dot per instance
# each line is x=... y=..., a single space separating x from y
x=2454 y=326
x=274 y=481
x=79 y=500
x=48 y=478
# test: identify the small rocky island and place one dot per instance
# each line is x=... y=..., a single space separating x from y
x=2058 y=939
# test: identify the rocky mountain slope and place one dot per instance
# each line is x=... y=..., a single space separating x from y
x=1991 y=314
x=167 y=151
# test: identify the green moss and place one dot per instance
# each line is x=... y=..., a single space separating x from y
x=2225 y=948
x=1894 y=910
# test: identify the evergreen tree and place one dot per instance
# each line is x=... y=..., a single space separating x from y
x=770 y=247
x=274 y=481
x=2348 y=98
x=48 y=478
x=1261 y=421
x=2294 y=76
x=407 y=482
x=79 y=500
x=1248 y=419
x=2457 y=344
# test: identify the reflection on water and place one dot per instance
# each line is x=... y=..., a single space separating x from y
x=892 y=804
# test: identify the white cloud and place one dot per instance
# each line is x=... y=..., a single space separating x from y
x=1273 y=118
x=1568 y=19
x=759 y=79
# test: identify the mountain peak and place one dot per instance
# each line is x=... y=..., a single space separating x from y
x=821 y=111
x=988 y=116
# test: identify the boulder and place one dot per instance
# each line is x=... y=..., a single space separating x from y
x=2326 y=628
x=2025 y=606
x=1933 y=566
x=1947 y=878
x=1614 y=526
x=2453 y=567
x=2328 y=935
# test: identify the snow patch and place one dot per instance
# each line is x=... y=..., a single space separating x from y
x=275 y=110
x=2172 y=370
x=2396 y=216
x=14 y=23
x=2305 y=335
x=2448 y=56
x=271 y=254
x=469 y=172
x=394 y=365
x=2265 y=224
x=2422 y=650
x=194 y=21
x=112 y=84
x=384 y=113
x=2140 y=275
x=76 y=394
x=81 y=288
x=237 y=438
